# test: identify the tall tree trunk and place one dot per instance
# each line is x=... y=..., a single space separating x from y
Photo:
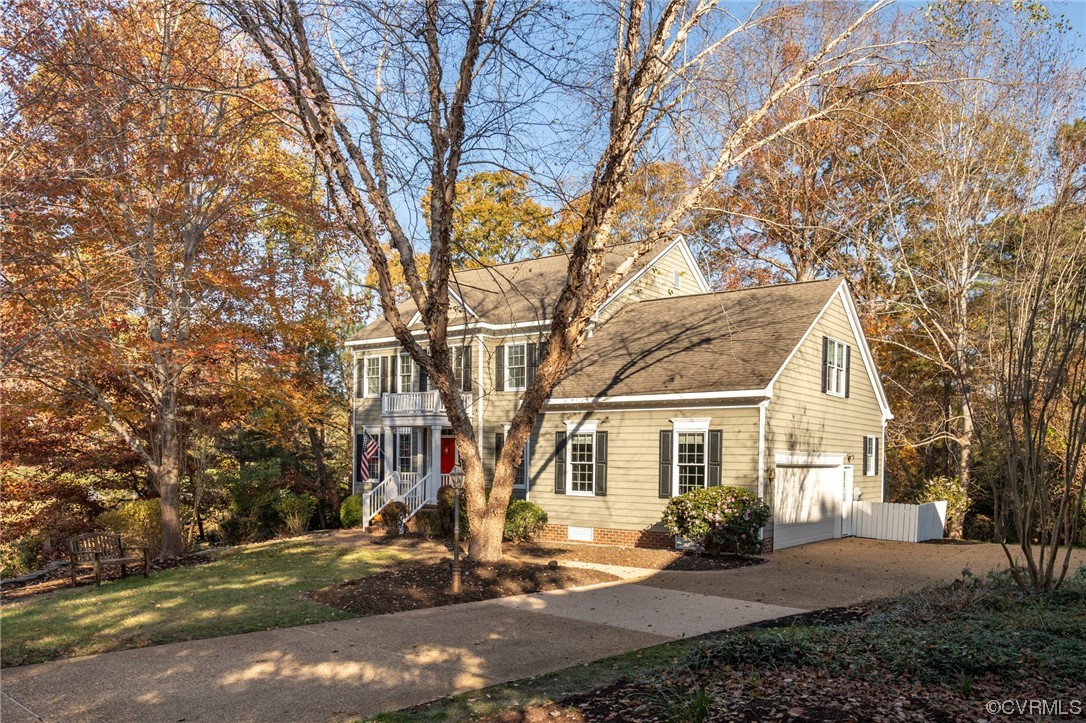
x=325 y=483
x=168 y=481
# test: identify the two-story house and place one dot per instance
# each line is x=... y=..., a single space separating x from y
x=773 y=389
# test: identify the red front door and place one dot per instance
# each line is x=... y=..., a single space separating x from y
x=448 y=454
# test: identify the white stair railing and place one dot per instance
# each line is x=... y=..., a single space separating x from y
x=375 y=500
x=415 y=497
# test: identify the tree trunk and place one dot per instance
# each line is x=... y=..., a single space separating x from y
x=328 y=488
x=965 y=462
x=168 y=481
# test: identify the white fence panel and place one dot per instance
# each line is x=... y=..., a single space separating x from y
x=899 y=522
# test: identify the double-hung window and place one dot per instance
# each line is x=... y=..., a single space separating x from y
x=871 y=456
x=372 y=374
x=835 y=367
x=691 y=460
x=582 y=463
x=406 y=374
x=516 y=367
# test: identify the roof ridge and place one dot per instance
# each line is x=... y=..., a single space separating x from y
x=540 y=258
x=724 y=292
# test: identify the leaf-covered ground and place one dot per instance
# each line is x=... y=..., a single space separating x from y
x=248 y=588
x=936 y=655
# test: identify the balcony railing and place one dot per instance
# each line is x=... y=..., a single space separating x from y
x=418 y=403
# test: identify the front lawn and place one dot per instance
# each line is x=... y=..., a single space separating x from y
x=255 y=587
x=939 y=654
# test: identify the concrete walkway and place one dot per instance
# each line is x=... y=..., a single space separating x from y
x=359 y=667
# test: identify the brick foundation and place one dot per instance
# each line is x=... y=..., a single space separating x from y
x=767 y=545
x=609 y=536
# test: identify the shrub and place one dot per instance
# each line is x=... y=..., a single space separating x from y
x=980 y=527
x=393 y=517
x=350 y=512
x=957 y=501
x=139 y=522
x=296 y=511
x=446 y=496
x=426 y=524
x=719 y=517
x=524 y=521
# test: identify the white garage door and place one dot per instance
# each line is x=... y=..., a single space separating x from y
x=807 y=504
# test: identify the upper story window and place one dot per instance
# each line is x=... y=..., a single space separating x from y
x=407 y=381
x=372 y=376
x=516 y=367
x=835 y=362
x=871 y=456
x=461 y=364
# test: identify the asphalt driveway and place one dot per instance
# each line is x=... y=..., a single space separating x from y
x=358 y=667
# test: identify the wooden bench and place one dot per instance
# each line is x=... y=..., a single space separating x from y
x=97 y=549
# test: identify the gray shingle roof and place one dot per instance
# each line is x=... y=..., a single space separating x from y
x=714 y=342
x=521 y=291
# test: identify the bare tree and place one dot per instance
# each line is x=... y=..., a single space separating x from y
x=1041 y=377
x=381 y=90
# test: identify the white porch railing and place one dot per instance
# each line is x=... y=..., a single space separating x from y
x=407 y=487
x=418 y=403
x=375 y=500
x=446 y=480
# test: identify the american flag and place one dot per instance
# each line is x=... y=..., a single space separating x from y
x=367 y=451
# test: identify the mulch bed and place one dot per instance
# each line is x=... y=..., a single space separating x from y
x=59 y=578
x=413 y=585
x=634 y=557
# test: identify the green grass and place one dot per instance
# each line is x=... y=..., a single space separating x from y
x=256 y=587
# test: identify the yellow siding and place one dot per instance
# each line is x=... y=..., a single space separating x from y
x=657 y=282
x=801 y=418
x=633 y=462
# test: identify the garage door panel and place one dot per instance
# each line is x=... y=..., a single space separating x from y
x=807 y=505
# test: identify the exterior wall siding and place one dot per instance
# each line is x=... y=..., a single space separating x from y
x=657 y=282
x=632 y=501
x=802 y=418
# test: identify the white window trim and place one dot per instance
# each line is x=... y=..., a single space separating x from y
x=366 y=391
x=580 y=426
x=871 y=466
x=400 y=359
x=509 y=387
x=691 y=425
x=840 y=393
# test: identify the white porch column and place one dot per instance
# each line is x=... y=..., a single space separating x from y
x=389 y=451
x=435 y=462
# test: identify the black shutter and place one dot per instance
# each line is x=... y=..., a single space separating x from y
x=499 y=442
x=878 y=453
x=531 y=354
x=424 y=381
x=465 y=367
x=394 y=373
x=559 y=463
x=848 y=367
x=716 y=444
x=384 y=375
x=381 y=458
x=499 y=369
x=360 y=377
x=665 y=463
x=825 y=364
x=601 y=464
